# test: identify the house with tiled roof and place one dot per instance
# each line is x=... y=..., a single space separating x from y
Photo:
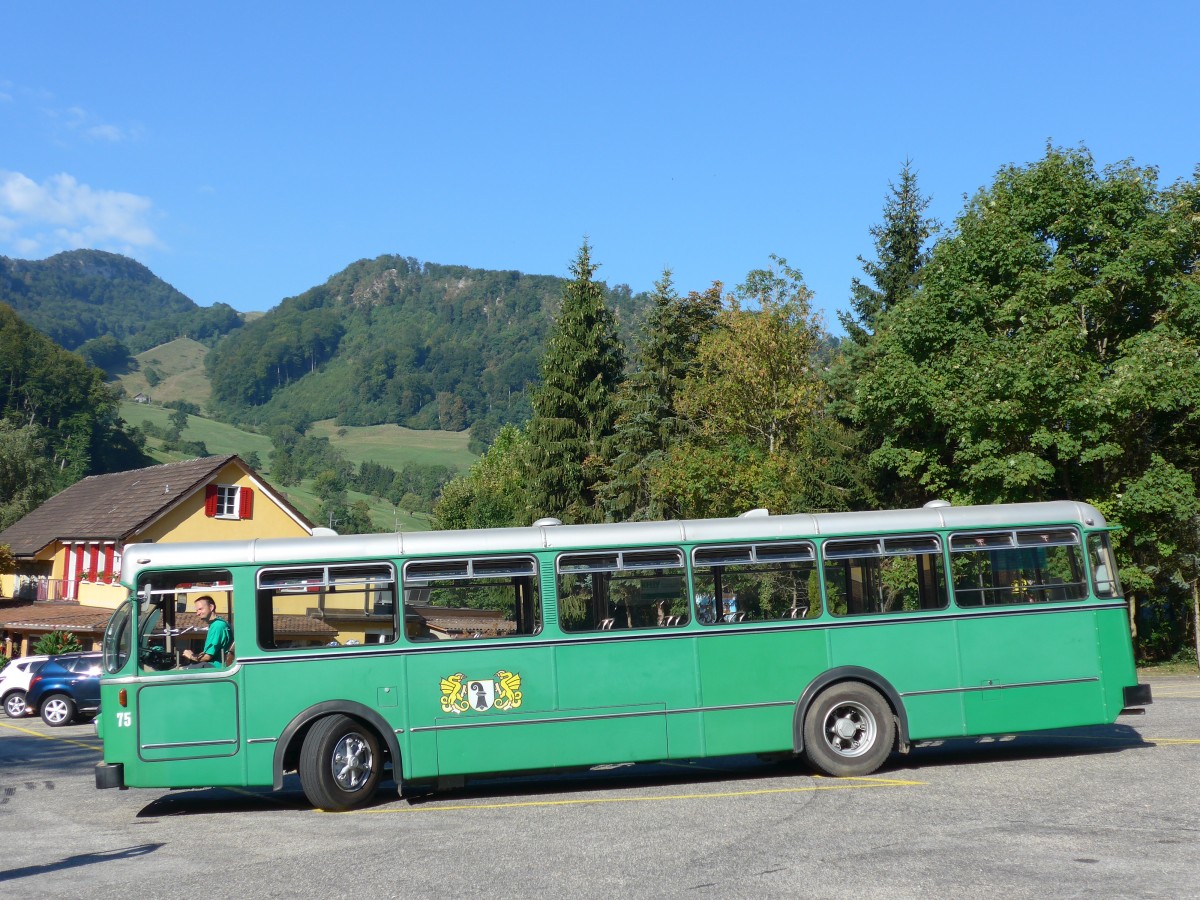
x=68 y=550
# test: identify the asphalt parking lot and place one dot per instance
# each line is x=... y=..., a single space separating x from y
x=1108 y=811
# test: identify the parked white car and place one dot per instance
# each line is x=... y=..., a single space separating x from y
x=14 y=682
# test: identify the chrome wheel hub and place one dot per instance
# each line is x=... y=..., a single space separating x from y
x=850 y=729
x=352 y=762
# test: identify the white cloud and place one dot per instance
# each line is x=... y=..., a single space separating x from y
x=62 y=214
x=77 y=120
x=106 y=133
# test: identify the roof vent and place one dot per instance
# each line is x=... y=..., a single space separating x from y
x=938 y=504
x=548 y=520
x=754 y=513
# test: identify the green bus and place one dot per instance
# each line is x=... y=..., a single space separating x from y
x=838 y=638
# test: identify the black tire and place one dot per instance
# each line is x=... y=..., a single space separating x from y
x=340 y=763
x=849 y=731
x=57 y=710
x=14 y=704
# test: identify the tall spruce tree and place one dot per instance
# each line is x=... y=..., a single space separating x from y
x=647 y=419
x=573 y=408
x=901 y=254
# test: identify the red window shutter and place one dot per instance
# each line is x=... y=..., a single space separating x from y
x=210 y=500
x=245 y=503
x=106 y=573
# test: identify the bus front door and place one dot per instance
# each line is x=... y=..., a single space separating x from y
x=189 y=715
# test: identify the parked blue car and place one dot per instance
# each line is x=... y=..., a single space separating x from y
x=65 y=689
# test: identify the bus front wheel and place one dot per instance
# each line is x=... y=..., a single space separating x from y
x=340 y=763
x=848 y=731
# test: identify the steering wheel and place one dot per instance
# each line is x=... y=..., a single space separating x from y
x=156 y=658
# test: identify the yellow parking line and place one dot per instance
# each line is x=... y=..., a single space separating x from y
x=840 y=784
x=52 y=737
x=1167 y=741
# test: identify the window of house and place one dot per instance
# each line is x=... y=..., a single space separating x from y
x=866 y=576
x=228 y=501
x=620 y=589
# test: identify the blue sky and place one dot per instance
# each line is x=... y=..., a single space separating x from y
x=247 y=151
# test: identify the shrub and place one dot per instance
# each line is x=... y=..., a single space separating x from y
x=57 y=642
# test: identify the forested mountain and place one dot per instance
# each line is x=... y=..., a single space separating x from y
x=81 y=295
x=394 y=340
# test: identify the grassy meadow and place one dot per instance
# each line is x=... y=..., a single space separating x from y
x=180 y=366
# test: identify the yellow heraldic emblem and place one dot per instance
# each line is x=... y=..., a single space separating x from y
x=460 y=693
x=509 y=684
x=454 y=694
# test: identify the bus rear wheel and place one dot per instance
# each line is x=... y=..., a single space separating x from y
x=848 y=731
x=340 y=763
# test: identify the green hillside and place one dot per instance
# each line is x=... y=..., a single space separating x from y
x=392 y=445
x=177 y=369
x=218 y=437
x=387 y=445
x=396 y=341
x=81 y=295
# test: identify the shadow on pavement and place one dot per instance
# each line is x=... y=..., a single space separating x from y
x=82 y=859
x=731 y=772
x=1061 y=742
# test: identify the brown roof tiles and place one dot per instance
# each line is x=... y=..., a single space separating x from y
x=54 y=616
x=110 y=507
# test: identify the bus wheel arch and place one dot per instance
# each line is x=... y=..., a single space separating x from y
x=289 y=747
x=864 y=695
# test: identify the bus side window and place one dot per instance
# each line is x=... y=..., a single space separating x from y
x=885 y=575
x=1004 y=568
x=1104 y=572
x=622 y=589
x=343 y=605
x=471 y=598
x=756 y=582
x=168 y=624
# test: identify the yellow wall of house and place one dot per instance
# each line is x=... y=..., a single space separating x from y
x=187 y=522
x=107 y=596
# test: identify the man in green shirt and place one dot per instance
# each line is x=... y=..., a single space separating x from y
x=220 y=639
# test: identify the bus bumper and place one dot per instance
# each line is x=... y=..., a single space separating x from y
x=1136 y=696
x=110 y=775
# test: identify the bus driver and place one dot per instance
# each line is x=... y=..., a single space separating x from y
x=219 y=637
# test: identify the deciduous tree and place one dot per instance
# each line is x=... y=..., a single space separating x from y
x=758 y=434
x=1052 y=352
